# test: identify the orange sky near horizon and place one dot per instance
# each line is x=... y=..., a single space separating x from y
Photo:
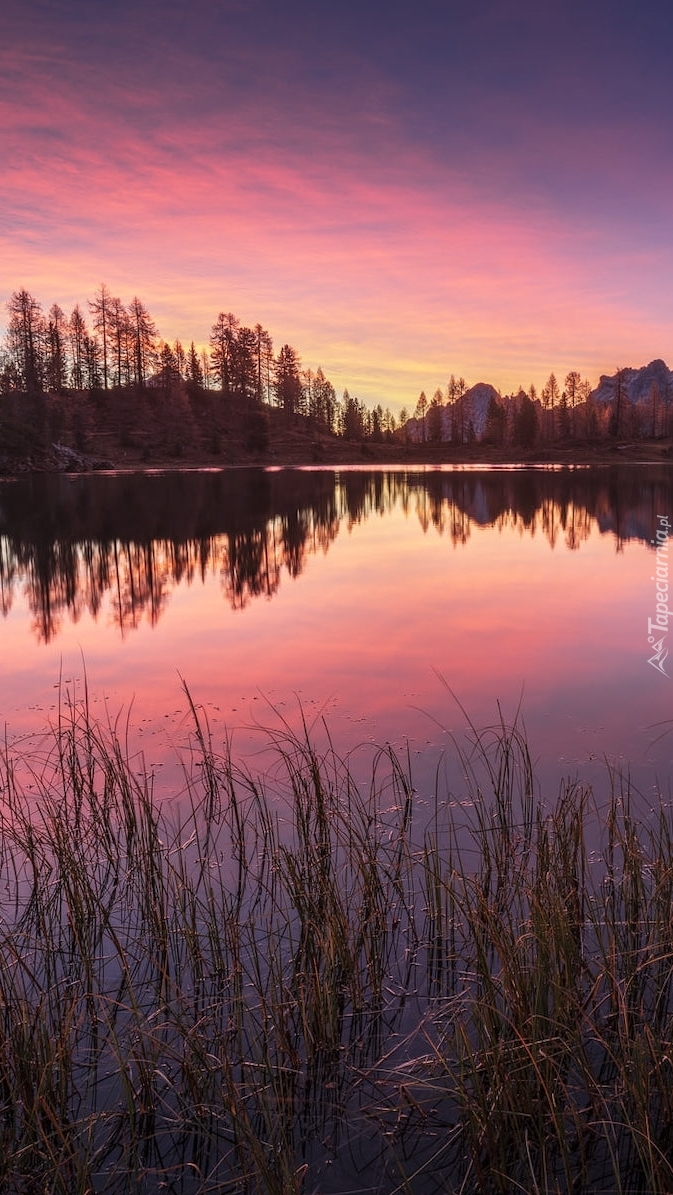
x=390 y=258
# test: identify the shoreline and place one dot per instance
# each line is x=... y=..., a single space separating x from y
x=63 y=459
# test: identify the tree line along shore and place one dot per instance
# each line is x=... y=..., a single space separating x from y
x=111 y=392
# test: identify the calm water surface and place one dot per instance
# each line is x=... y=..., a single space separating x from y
x=359 y=596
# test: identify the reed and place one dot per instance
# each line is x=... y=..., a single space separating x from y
x=283 y=983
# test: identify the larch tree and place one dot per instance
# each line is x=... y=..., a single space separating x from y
x=193 y=367
x=459 y=414
x=57 y=357
x=307 y=379
x=323 y=401
x=92 y=362
x=572 y=386
x=435 y=418
x=494 y=432
x=287 y=384
x=352 y=417
x=143 y=337
x=617 y=420
x=526 y=422
x=99 y=307
x=564 y=416
x=169 y=374
x=119 y=327
x=222 y=340
x=572 y=389
x=421 y=410
x=206 y=369
x=25 y=338
x=78 y=332
x=180 y=358
x=591 y=424
x=244 y=363
x=376 y=423
x=264 y=363
x=550 y=398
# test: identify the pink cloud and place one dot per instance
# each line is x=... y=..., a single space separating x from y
x=387 y=267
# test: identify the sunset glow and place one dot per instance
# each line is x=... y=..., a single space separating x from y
x=336 y=595
x=400 y=195
x=297 y=610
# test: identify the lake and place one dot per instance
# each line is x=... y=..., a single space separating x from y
x=308 y=985
x=392 y=604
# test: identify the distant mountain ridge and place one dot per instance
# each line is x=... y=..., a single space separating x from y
x=470 y=409
x=641 y=388
x=477 y=399
x=637 y=384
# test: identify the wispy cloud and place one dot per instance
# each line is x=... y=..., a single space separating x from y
x=237 y=181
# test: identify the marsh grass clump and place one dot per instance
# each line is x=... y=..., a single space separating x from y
x=286 y=983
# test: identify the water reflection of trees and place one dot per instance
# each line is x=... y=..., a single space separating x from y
x=563 y=505
x=75 y=544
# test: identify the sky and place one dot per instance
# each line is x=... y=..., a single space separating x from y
x=400 y=191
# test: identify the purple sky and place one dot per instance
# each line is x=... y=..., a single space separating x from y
x=402 y=192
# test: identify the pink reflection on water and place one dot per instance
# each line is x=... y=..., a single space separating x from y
x=371 y=636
